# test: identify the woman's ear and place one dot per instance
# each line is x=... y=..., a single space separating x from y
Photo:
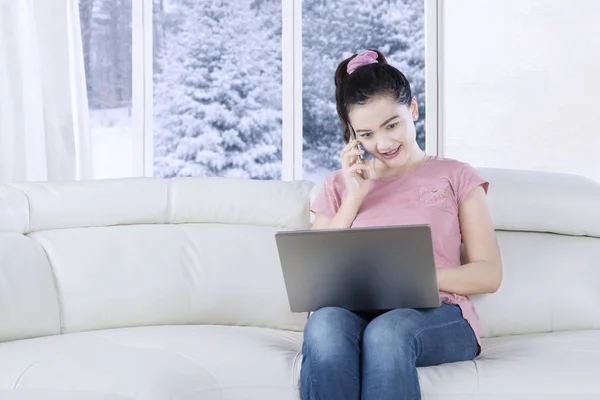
x=414 y=109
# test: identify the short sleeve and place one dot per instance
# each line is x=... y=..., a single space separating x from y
x=327 y=201
x=468 y=179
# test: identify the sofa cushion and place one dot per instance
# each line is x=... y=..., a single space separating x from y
x=216 y=362
x=37 y=206
x=157 y=363
x=28 y=298
x=283 y=204
x=550 y=284
x=76 y=204
x=57 y=394
x=553 y=366
x=14 y=210
x=536 y=201
x=127 y=276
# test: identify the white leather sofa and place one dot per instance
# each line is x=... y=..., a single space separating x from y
x=154 y=289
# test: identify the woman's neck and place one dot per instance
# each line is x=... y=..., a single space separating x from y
x=416 y=159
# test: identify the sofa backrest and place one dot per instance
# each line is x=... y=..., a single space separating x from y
x=548 y=228
x=104 y=254
x=91 y=255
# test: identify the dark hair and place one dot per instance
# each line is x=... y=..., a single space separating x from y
x=366 y=83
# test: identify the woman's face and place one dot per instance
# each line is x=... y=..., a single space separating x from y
x=386 y=130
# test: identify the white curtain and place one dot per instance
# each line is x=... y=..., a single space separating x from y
x=43 y=103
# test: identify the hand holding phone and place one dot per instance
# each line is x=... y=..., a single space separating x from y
x=355 y=167
x=361 y=156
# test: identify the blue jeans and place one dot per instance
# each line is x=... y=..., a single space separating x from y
x=349 y=355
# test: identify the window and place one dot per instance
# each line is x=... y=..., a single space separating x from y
x=332 y=31
x=211 y=94
x=217 y=88
x=106 y=38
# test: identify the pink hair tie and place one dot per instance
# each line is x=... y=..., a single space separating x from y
x=364 y=58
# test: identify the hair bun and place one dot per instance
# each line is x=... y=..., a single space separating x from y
x=364 y=58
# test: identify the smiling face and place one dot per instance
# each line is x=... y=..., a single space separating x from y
x=387 y=131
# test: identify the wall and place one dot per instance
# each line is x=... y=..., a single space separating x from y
x=519 y=84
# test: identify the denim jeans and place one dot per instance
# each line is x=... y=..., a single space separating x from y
x=349 y=355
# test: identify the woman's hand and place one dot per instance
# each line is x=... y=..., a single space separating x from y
x=357 y=187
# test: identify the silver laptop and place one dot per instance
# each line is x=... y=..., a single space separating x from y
x=360 y=269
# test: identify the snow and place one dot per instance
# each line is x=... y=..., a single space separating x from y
x=316 y=175
x=112 y=143
x=112 y=152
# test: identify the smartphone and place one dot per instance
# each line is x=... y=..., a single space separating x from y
x=361 y=157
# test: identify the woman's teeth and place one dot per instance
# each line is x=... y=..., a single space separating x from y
x=391 y=153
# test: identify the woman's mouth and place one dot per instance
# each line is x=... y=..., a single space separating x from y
x=391 y=154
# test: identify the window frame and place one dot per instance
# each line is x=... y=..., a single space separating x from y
x=291 y=41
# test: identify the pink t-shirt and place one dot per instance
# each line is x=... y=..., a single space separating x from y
x=430 y=194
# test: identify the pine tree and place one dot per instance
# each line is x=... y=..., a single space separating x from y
x=218 y=95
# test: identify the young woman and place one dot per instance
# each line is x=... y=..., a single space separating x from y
x=349 y=355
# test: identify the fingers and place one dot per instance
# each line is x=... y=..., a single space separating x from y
x=350 y=158
x=370 y=168
x=351 y=144
x=350 y=154
x=358 y=168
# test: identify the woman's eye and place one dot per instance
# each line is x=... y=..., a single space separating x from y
x=392 y=126
x=365 y=135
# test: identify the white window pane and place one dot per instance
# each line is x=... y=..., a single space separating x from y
x=332 y=31
x=106 y=37
x=217 y=88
